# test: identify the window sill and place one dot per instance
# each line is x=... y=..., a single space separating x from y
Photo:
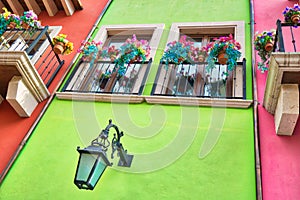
x=98 y=97
x=187 y=101
x=192 y=101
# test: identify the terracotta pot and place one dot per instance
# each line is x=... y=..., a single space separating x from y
x=25 y=25
x=222 y=58
x=295 y=19
x=180 y=60
x=59 y=48
x=12 y=25
x=201 y=58
x=269 y=46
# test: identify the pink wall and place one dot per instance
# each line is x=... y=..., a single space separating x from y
x=280 y=155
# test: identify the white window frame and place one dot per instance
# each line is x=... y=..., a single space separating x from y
x=238 y=26
x=101 y=36
x=174 y=34
x=103 y=33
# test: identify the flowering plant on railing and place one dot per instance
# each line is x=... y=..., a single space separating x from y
x=133 y=50
x=14 y=21
x=292 y=15
x=199 y=54
x=89 y=50
x=111 y=53
x=178 y=51
x=263 y=43
x=30 y=19
x=62 y=45
x=225 y=50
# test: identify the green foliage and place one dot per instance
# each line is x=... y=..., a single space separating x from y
x=3 y=24
x=223 y=44
x=289 y=12
x=261 y=39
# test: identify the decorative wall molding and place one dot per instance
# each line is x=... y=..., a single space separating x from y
x=20 y=61
x=282 y=64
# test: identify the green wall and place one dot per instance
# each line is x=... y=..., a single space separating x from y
x=180 y=152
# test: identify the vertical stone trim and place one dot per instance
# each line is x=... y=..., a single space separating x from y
x=287 y=109
x=20 y=97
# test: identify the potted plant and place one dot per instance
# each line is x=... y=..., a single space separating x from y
x=133 y=50
x=103 y=79
x=178 y=51
x=199 y=54
x=263 y=43
x=292 y=15
x=62 y=45
x=225 y=50
x=12 y=20
x=90 y=50
x=30 y=20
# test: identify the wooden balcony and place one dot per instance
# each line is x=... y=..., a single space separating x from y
x=51 y=6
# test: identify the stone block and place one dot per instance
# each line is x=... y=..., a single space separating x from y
x=287 y=109
x=20 y=97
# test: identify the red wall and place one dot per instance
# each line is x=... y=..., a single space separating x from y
x=280 y=155
x=14 y=128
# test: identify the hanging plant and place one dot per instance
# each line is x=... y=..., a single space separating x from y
x=30 y=20
x=133 y=50
x=224 y=50
x=62 y=45
x=264 y=45
x=178 y=51
x=292 y=15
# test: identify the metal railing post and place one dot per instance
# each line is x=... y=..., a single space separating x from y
x=279 y=37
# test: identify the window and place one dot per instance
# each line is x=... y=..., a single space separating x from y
x=193 y=80
x=101 y=77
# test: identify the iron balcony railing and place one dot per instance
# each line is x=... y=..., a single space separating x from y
x=103 y=77
x=39 y=48
x=193 y=80
x=285 y=36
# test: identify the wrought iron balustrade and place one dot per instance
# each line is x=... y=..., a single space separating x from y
x=103 y=77
x=194 y=80
x=285 y=37
x=38 y=46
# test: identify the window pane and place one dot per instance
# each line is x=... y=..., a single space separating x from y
x=118 y=40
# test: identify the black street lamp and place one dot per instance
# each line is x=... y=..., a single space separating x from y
x=93 y=159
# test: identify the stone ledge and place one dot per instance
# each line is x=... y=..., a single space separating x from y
x=186 y=101
x=280 y=63
x=117 y=98
x=30 y=77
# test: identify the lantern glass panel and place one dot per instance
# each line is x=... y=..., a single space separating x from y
x=85 y=167
x=99 y=169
